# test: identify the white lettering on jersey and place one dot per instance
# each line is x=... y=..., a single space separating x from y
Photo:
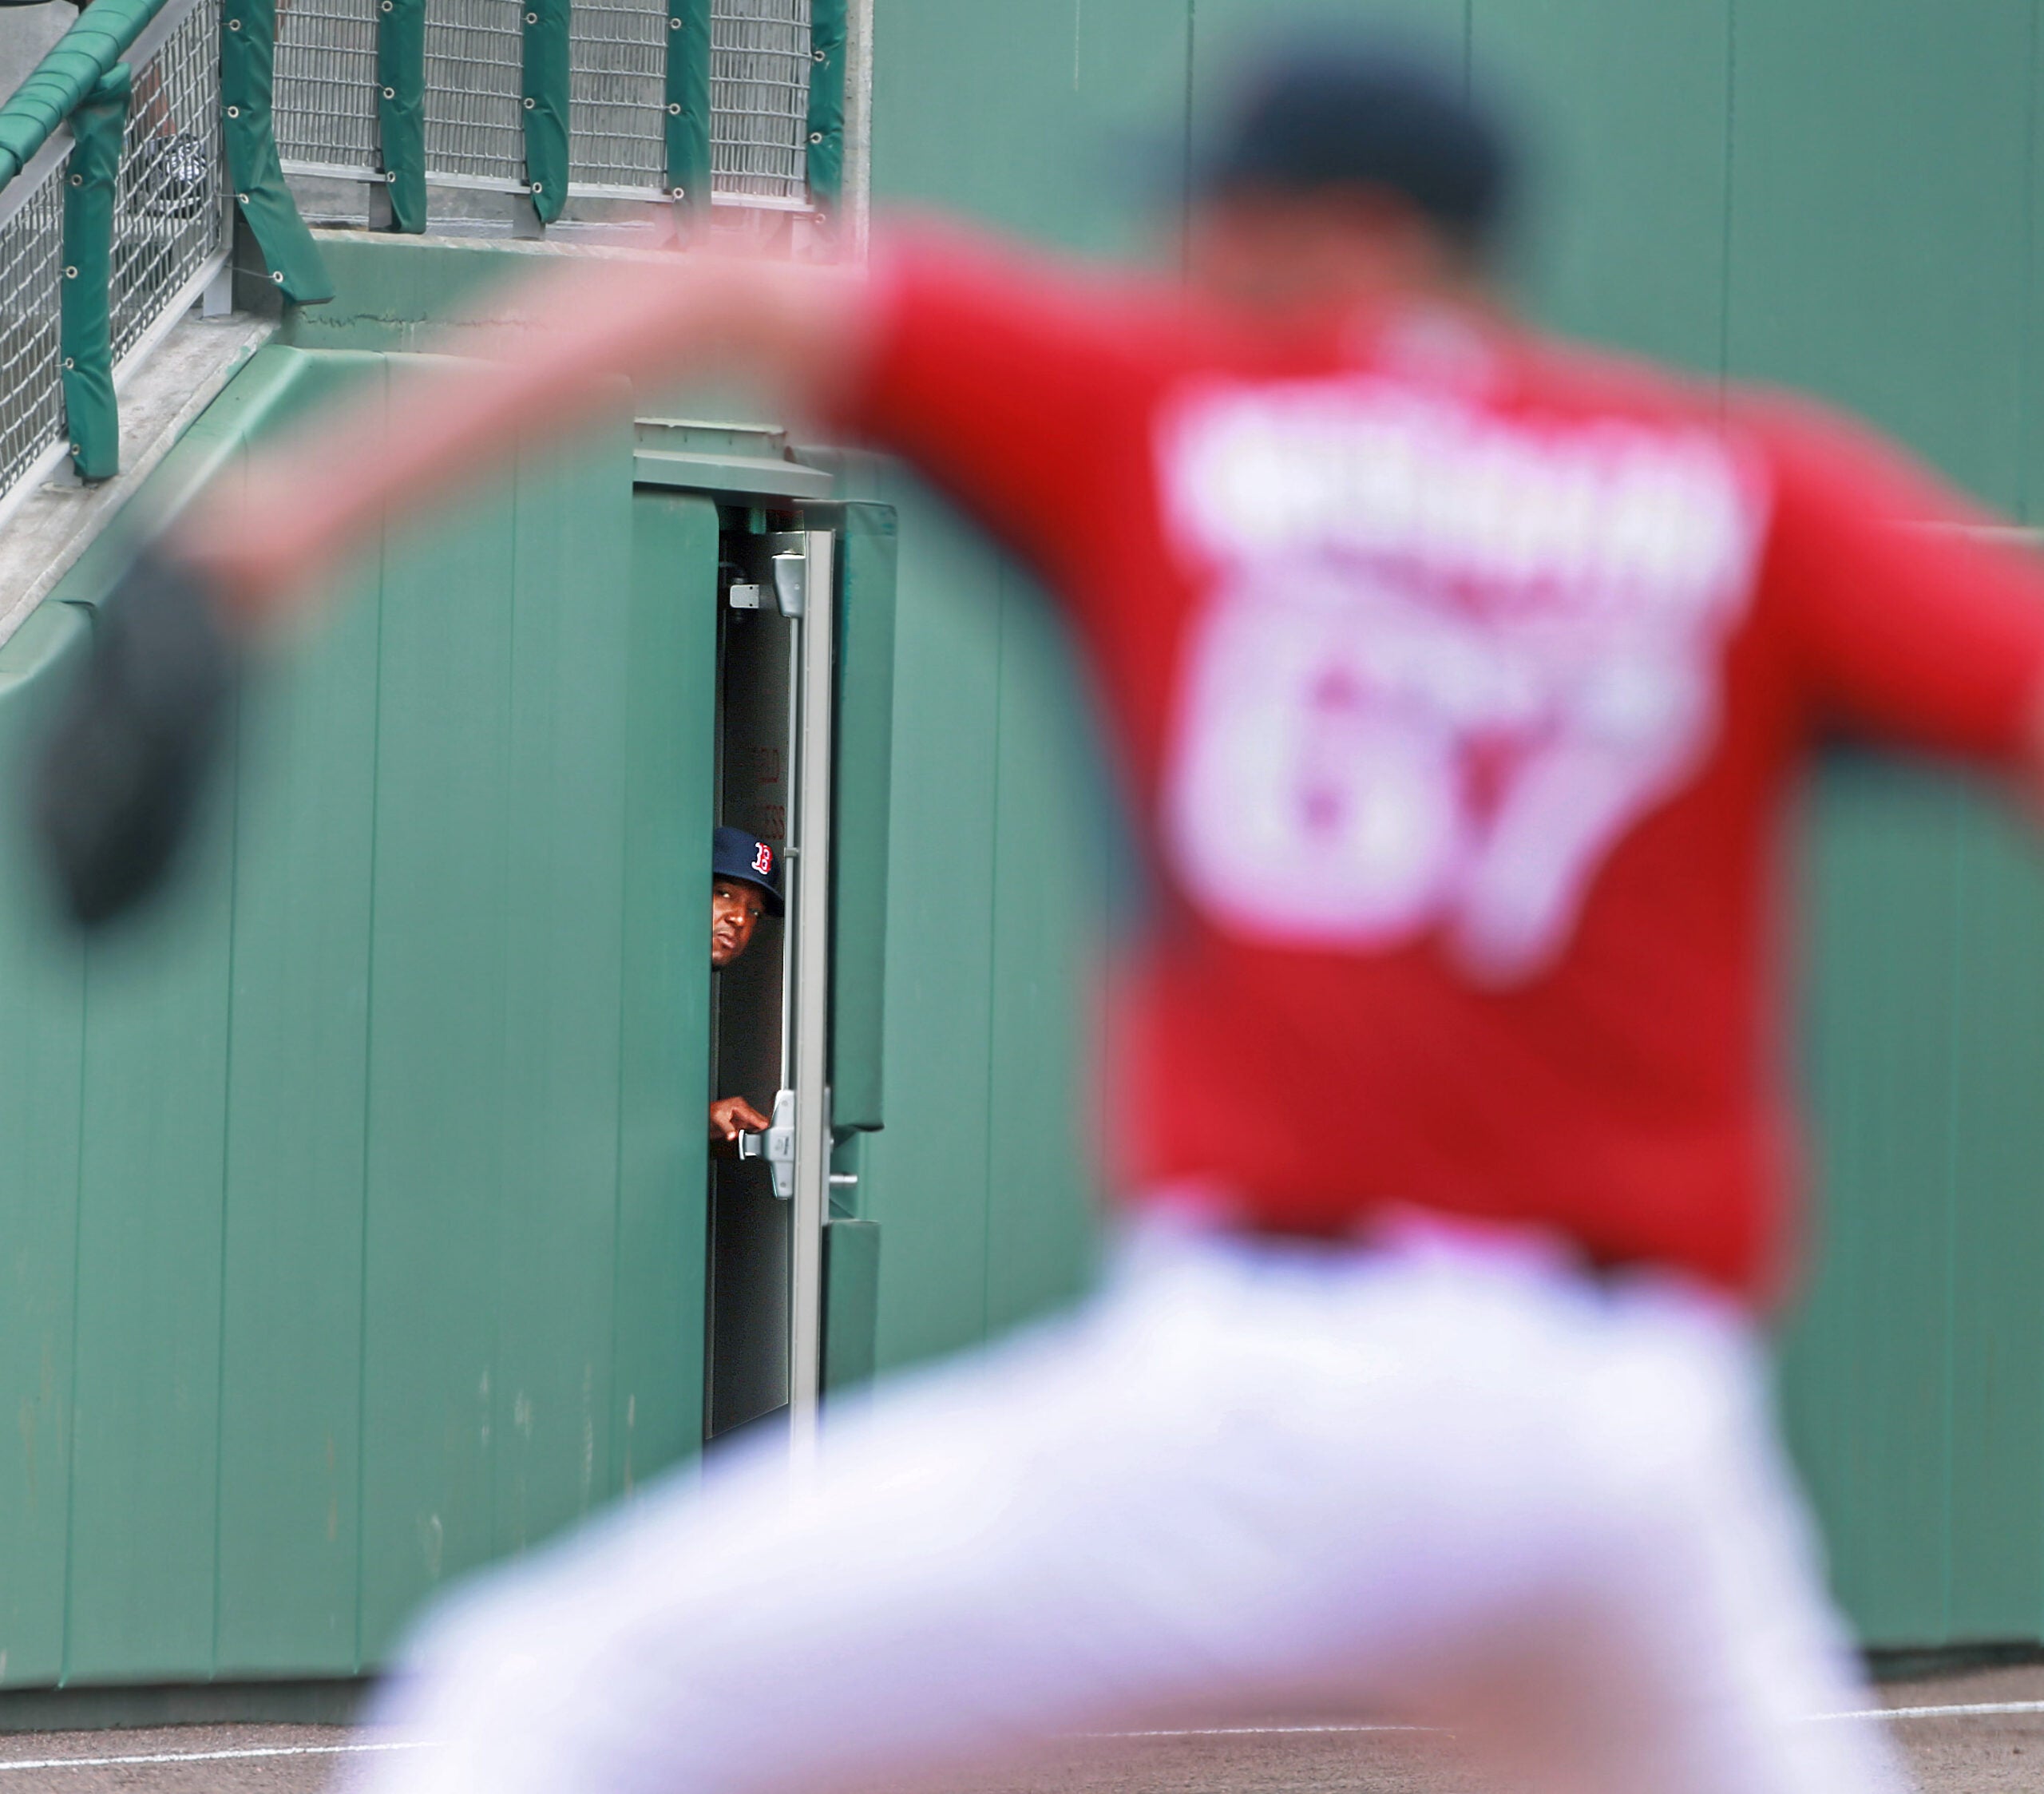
x=1445 y=660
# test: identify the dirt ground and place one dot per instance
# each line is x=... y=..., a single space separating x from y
x=1953 y=1752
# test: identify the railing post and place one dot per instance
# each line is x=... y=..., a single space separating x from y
x=400 y=109
x=545 y=82
x=826 y=104
x=248 y=40
x=688 y=110
x=84 y=313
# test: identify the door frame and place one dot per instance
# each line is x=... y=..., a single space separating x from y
x=809 y=1013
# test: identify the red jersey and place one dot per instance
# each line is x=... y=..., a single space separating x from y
x=1460 y=676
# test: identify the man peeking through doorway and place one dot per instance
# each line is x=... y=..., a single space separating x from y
x=745 y=884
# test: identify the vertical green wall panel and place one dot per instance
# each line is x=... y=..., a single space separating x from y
x=851 y=1303
x=436 y=1137
x=924 y=1176
x=1062 y=119
x=147 y=1373
x=1625 y=233
x=861 y=785
x=521 y=1154
x=1996 y=1545
x=571 y=604
x=1913 y=1372
x=1881 y=217
x=41 y=1028
x=1049 y=914
x=656 y=1401
x=2030 y=498
x=291 y=1276
x=1882 y=937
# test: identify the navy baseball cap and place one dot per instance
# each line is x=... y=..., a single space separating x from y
x=1354 y=110
x=735 y=854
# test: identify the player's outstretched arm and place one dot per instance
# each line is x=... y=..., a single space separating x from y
x=122 y=772
x=800 y=332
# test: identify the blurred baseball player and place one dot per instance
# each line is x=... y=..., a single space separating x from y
x=1460 y=675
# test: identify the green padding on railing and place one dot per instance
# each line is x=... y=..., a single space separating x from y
x=401 y=107
x=65 y=78
x=248 y=32
x=84 y=325
x=827 y=104
x=546 y=83
x=688 y=105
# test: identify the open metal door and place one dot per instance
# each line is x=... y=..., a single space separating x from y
x=769 y=1207
x=809 y=913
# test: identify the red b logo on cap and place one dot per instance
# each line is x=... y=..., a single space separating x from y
x=762 y=859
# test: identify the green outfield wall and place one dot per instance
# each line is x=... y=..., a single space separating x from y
x=352 y=1210
x=350 y=1224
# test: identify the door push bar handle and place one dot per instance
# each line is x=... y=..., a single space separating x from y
x=791 y=583
x=776 y=1146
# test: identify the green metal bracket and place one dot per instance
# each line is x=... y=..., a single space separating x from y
x=688 y=107
x=546 y=90
x=84 y=323
x=248 y=42
x=827 y=104
x=400 y=109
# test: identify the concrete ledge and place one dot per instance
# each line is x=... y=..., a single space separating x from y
x=56 y=522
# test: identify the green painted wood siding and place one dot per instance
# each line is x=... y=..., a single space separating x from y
x=354 y=1205
x=380 y=1132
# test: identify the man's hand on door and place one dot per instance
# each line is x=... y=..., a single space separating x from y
x=731 y=1116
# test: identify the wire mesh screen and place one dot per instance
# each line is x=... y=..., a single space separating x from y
x=325 y=104
x=31 y=265
x=759 y=64
x=170 y=208
x=474 y=122
x=617 y=51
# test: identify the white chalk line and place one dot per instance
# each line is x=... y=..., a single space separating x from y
x=206 y=1756
x=1972 y=1709
x=1253 y=1731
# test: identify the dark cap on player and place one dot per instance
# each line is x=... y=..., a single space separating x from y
x=735 y=854
x=1344 y=111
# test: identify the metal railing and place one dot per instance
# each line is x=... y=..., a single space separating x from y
x=759 y=66
x=325 y=102
x=121 y=157
x=126 y=154
x=31 y=275
x=617 y=86
x=734 y=102
x=171 y=216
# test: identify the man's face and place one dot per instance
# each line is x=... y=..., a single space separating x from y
x=735 y=908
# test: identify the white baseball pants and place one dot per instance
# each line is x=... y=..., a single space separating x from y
x=1442 y=1479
